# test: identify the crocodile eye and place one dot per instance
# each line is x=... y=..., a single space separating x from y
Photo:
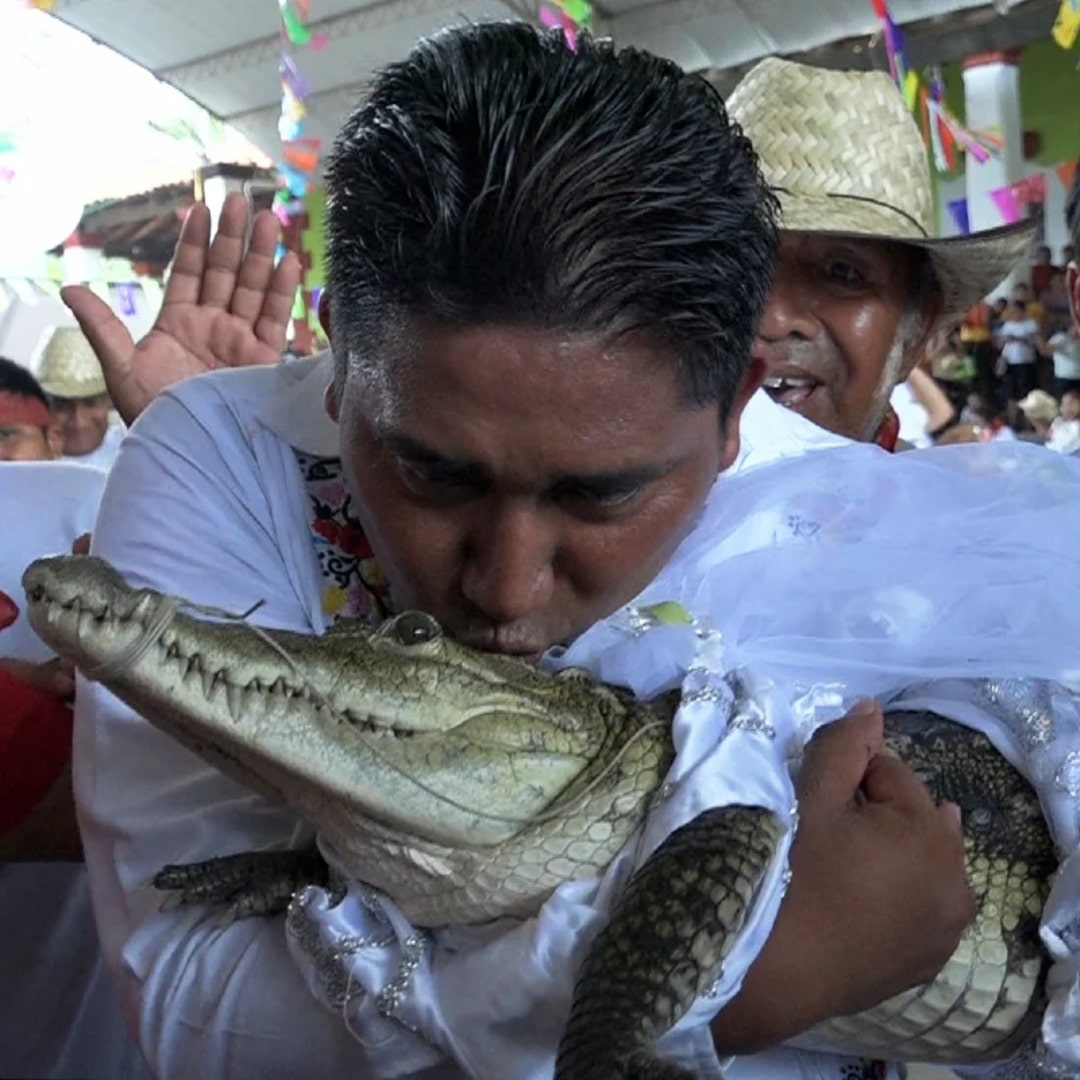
x=416 y=628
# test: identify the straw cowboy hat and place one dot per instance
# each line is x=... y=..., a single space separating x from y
x=844 y=155
x=1039 y=407
x=69 y=366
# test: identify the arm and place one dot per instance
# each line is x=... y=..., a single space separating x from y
x=184 y=512
x=939 y=410
x=878 y=899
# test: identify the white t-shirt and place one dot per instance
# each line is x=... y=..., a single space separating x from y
x=1064 y=436
x=1019 y=351
x=59 y=1016
x=44 y=507
x=1066 y=356
x=912 y=415
x=105 y=454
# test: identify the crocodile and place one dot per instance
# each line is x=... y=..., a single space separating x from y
x=468 y=786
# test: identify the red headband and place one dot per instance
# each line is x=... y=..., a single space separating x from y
x=22 y=409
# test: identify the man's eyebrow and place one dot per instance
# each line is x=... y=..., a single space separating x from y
x=613 y=480
x=404 y=446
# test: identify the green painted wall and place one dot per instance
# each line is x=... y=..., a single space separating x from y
x=315 y=238
x=1049 y=92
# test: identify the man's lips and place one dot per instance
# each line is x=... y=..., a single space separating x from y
x=791 y=390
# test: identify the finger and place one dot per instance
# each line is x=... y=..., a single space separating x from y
x=890 y=781
x=950 y=813
x=836 y=758
x=257 y=269
x=226 y=253
x=272 y=326
x=108 y=336
x=189 y=261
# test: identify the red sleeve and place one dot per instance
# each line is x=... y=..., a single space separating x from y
x=35 y=745
x=9 y=610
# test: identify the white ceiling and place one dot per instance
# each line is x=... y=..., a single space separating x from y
x=225 y=55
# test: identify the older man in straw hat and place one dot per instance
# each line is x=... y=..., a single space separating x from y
x=69 y=372
x=863 y=282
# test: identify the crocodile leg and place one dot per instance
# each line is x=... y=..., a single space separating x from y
x=665 y=944
x=252 y=883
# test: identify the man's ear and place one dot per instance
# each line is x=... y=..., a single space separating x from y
x=920 y=343
x=750 y=384
x=54 y=438
x=323 y=312
x=332 y=401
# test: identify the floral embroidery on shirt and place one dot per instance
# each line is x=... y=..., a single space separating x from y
x=354 y=587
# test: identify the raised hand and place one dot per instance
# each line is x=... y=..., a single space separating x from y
x=224 y=306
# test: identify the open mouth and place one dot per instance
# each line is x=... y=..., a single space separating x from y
x=791 y=390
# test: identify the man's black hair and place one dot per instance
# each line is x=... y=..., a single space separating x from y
x=497 y=177
x=15 y=379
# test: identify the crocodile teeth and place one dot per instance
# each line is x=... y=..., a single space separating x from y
x=236 y=697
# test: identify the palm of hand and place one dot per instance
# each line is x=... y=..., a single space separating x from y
x=227 y=304
x=189 y=339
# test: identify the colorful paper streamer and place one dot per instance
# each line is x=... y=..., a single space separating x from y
x=300 y=154
x=1067 y=25
x=293 y=18
x=1007 y=204
x=1066 y=173
x=570 y=16
x=958 y=210
x=942 y=132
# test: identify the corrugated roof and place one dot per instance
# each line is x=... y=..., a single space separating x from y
x=226 y=56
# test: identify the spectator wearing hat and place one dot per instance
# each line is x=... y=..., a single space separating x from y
x=863 y=282
x=1040 y=411
x=70 y=374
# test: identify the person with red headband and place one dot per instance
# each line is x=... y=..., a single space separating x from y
x=28 y=431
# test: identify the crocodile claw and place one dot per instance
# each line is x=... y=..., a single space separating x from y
x=251 y=884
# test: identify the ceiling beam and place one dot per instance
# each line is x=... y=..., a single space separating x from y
x=364 y=20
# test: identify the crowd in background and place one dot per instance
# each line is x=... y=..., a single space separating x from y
x=1011 y=369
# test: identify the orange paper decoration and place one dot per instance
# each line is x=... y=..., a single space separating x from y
x=1067 y=173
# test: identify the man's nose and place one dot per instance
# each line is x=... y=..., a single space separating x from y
x=789 y=310
x=509 y=571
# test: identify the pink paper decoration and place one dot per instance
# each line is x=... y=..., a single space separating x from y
x=1008 y=205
